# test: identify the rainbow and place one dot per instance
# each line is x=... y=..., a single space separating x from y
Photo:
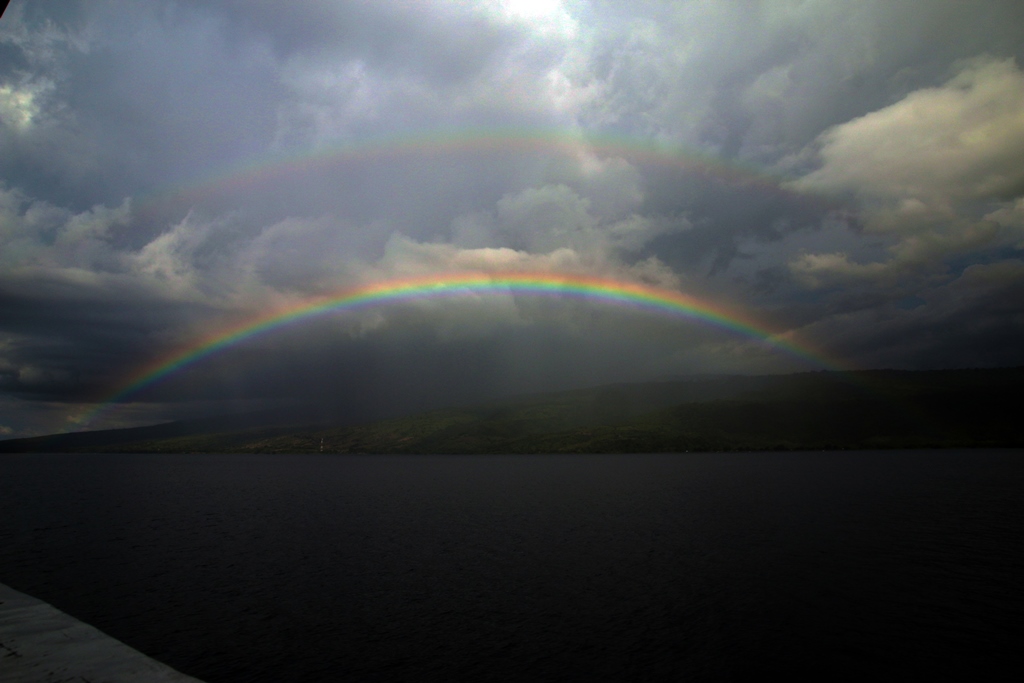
x=264 y=169
x=466 y=284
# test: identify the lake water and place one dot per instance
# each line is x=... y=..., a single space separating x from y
x=632 y=567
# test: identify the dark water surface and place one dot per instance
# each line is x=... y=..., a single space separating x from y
x=631 y=567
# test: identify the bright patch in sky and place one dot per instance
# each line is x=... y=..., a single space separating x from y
x=543 y=16
x=17 y=106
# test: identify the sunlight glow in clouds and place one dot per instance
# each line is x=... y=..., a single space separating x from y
x=18 y=107
x=546 y=17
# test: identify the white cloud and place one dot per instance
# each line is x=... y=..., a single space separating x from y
x=405 y=257
x=920 y=167
x=961 y=141
x=167 y=263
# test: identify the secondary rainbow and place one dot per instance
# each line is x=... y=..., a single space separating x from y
x=455 y=285
x=262 y=169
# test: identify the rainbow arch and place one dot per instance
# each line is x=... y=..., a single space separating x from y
x=256 y=170
x=465 y=284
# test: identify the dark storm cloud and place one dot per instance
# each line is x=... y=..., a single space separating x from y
x=824 y=212
x=63 y=340
x=725 y=216
x=973 y=321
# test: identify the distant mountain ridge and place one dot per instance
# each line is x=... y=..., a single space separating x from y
x=811 y=410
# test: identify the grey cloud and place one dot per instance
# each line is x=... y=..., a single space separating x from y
x=444 y=42
x=135 y=99
x=764 y=80
x=549 y=217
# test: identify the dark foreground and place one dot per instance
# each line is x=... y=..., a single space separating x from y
x=699 y=566
x=866 y=410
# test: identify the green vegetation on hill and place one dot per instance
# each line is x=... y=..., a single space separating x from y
x=874 y=409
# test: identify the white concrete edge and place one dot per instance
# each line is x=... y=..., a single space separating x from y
x=41 y=644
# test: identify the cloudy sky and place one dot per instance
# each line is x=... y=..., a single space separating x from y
x=848 y=173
